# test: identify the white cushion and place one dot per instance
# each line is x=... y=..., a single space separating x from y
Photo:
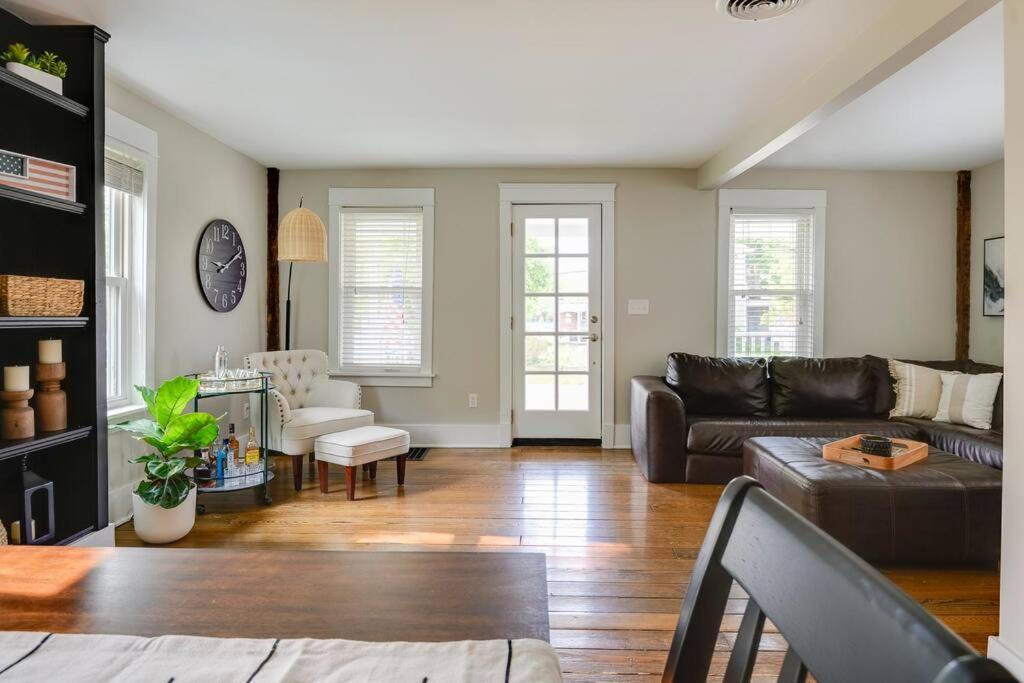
x=968 y=399
x=299 y=434
x=362 y=445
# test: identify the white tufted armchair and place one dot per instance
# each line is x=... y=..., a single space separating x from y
x=305 y=404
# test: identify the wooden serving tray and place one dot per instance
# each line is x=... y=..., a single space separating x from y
x=904 y=452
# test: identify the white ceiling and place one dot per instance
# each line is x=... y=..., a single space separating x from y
x=943 y=112
x=327 y=83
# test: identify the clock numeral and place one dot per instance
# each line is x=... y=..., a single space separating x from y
x=224 y=232
x=209 y=281
x=239 y=286
x=204 y=261
x=224 y=300
x=234 y=300
x=242 y=271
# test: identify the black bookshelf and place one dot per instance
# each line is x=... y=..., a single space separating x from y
x=48 y=237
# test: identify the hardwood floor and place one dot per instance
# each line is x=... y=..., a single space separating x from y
x=619 y=550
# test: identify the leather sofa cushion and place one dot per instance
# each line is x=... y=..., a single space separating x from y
x=822 y=387
x=983 y=446
x=720 y=386
x=725 y=435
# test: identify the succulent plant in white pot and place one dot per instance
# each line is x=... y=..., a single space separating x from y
x=47 y=70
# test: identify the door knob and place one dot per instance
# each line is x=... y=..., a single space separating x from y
x=593 y=318
x=593 y=337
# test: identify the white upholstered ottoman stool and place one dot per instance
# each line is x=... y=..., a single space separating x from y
x=360 y=446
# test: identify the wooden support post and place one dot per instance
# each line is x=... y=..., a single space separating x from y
x=273 y=274
x=963 y=265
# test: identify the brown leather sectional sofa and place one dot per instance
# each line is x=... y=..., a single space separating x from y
x=690 y=425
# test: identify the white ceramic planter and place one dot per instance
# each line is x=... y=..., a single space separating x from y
x=154 y=524
x=48 y=81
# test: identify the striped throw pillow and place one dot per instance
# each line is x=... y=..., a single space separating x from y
x=968 y=399
x=918 y=390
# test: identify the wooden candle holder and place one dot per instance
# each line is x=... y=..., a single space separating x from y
x=51 y=401
x=17 y=420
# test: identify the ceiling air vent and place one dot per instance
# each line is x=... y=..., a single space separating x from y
x=755 y=10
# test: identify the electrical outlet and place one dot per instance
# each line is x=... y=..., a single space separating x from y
x=472 y=400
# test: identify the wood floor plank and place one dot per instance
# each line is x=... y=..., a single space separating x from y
x=619 y=549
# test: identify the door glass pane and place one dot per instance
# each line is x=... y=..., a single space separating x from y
x=539 y=275
x=540 y=314
x=573 y=352
x=572 y=314
x=540 y=235
x=540 y=392
x=540 y=353
x=573 y=236
x=573 y=392
x=572 y=275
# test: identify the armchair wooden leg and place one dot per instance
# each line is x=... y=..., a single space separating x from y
x=297 y=472
x=321 y=466
x=350 y=482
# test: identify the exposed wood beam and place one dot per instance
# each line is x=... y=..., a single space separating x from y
x=273 y=270
x=963 y=265
x=911 y=29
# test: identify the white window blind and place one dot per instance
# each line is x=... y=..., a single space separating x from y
x=382 y=295
x=771 y=309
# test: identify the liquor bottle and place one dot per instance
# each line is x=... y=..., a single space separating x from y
x=222 y=453
x=202 y=475
x=252 y=449
x=236 y=455
x=220 y=362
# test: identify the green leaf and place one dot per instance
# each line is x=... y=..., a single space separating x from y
x=141 y=427
x=192 y=462
x=149 y=396
x=157 y=444
x=165 y=469
x=174 y=492
x=148 y=458
x=173 y=397
x=192 y=430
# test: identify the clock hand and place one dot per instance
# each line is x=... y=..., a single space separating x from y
x=238 y=255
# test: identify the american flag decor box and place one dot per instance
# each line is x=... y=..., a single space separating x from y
x=37 y=175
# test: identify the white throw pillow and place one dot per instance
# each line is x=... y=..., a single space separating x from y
x=968 y=399
x=918 y=389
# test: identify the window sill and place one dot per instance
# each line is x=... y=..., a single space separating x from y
x=386 y=379
x=124 y=414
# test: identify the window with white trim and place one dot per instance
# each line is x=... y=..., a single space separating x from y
x=381 y=272
x=771 y=273
x=129 y=198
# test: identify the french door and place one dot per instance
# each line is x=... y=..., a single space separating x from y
x=556 y=325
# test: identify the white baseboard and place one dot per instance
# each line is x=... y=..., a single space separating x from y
x=453 y=435
x=1002 y=653
x=104 y=538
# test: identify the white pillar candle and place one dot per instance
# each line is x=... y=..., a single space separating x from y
x=16 y=378
x=50 y=351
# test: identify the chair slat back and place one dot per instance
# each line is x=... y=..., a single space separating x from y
x=844 y=621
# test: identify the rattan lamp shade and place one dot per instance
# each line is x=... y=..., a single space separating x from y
x=301 y=237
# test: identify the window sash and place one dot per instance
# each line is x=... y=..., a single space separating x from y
x=771 y=267
x=381 y=317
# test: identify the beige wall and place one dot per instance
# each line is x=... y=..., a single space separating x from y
x=198 y=179
x=889 y=284
x=1009 y=646
x=986 y=221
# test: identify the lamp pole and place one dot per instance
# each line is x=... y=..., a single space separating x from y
x=288 y=311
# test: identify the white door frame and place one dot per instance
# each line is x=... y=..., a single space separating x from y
x=556 y=193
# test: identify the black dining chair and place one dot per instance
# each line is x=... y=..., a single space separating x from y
x=843 y=621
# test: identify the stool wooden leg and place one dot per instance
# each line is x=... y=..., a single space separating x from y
x=401 y=469
x=350 y=482
x=366 y=469
x=373 y=471
x=297 y=471
x=312 y=465
x=321 y=467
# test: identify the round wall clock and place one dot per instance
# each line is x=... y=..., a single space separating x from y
x=221 y=266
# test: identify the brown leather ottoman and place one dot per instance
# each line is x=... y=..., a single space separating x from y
x=943 y=511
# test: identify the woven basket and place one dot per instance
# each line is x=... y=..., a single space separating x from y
x=40 y=296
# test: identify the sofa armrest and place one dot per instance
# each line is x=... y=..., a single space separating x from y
x=658 y=430
x=335 y=393
x=279 y=413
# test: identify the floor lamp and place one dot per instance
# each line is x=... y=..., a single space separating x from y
x=300 y=237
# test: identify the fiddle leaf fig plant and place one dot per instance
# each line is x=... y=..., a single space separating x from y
x=170 y=431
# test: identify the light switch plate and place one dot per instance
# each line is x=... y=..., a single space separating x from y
x=639 y=307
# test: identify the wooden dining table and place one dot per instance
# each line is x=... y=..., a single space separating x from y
x=373 y=596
